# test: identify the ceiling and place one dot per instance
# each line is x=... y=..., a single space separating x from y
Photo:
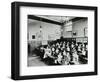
x=54 y=18
x=57 y=18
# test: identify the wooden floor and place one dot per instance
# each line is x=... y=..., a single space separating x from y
x=35 y=61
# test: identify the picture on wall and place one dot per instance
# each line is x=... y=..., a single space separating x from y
x=53 y=40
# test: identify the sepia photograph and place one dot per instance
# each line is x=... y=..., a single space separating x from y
x=57 y=40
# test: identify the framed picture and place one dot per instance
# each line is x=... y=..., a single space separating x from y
x=48 y=40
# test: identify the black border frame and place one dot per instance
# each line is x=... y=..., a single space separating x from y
x=15 y=40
